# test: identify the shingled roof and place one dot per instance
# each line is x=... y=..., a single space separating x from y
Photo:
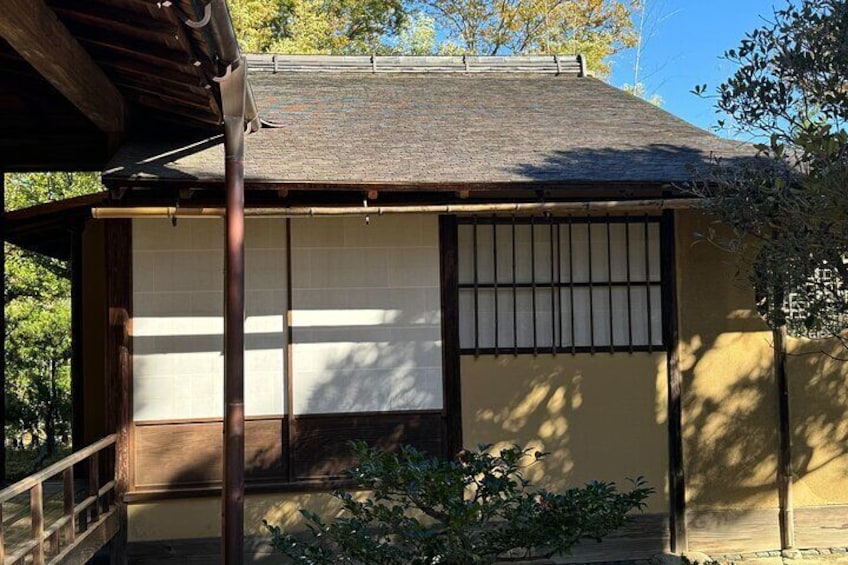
x=409 y=122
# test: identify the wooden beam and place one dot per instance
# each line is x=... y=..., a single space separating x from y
x=35 y=32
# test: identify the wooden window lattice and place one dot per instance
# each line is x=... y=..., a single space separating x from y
x=559 y=284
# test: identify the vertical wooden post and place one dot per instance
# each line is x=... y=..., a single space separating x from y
x=2 y=538
x=449 y=268
x=94 y=484
x=77 y=377
x=784 y=467
x=3 y=330
x=68 y=504
x=36 y=508
x=671 y=337
x=119 y=345
x=119 y=366
x=233 y=92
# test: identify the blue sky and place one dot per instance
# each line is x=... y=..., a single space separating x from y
x=683 y=47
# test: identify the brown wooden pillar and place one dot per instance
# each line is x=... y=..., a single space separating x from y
x=449 y=268
x=671 y=337
x=3 y=330
x=233 y=94
x=118 y=253
x=119 y=343
x=77 y=376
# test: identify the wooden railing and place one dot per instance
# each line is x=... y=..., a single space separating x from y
x=52 y=542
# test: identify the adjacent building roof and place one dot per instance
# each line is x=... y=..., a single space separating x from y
x=407 y=122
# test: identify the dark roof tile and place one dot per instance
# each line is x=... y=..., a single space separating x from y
x=421 y=128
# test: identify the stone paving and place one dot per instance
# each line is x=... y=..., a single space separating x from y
x=827 y=556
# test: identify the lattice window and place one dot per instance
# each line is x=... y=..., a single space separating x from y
x=534 y=285
x=820 y=308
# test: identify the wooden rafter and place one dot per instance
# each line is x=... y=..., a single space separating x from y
x=37 y=34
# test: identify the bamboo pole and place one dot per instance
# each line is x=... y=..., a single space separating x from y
x=320 y=211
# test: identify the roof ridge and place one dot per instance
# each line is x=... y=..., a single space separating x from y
x=570 y=65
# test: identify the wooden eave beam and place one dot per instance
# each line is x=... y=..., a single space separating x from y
x=36 y=33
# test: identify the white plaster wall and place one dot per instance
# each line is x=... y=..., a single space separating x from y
x=178 y=318
x=366 y=318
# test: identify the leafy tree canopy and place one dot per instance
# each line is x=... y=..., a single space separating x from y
x=315 y=26
x=788 y=208
x=595 y=28
x=37 y=304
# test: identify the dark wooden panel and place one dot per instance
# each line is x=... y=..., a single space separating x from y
x=642 y=537
x=189 y=454
x=178 y=455
x=732 y=531
x=821 y=526
x=320 y=441
x=263 y=449
x=100 y=20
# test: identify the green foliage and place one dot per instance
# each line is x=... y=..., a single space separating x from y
x=28 y=189
x=638 y=90
x=417 y=36
x=595 y=28
x=37 y=306
x=472 y=510
x=22 y=462
x=788 y=207
x=315 y=26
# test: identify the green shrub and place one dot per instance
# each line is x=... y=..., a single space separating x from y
x=471 y=510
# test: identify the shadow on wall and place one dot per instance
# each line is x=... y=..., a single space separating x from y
x=599 y=416
x=729 y=421
x=319 y=437
x=374 y=391
x=818 y=393
x=729 y=391
x=649 y=163
x=731 y=424
x=380 y=373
